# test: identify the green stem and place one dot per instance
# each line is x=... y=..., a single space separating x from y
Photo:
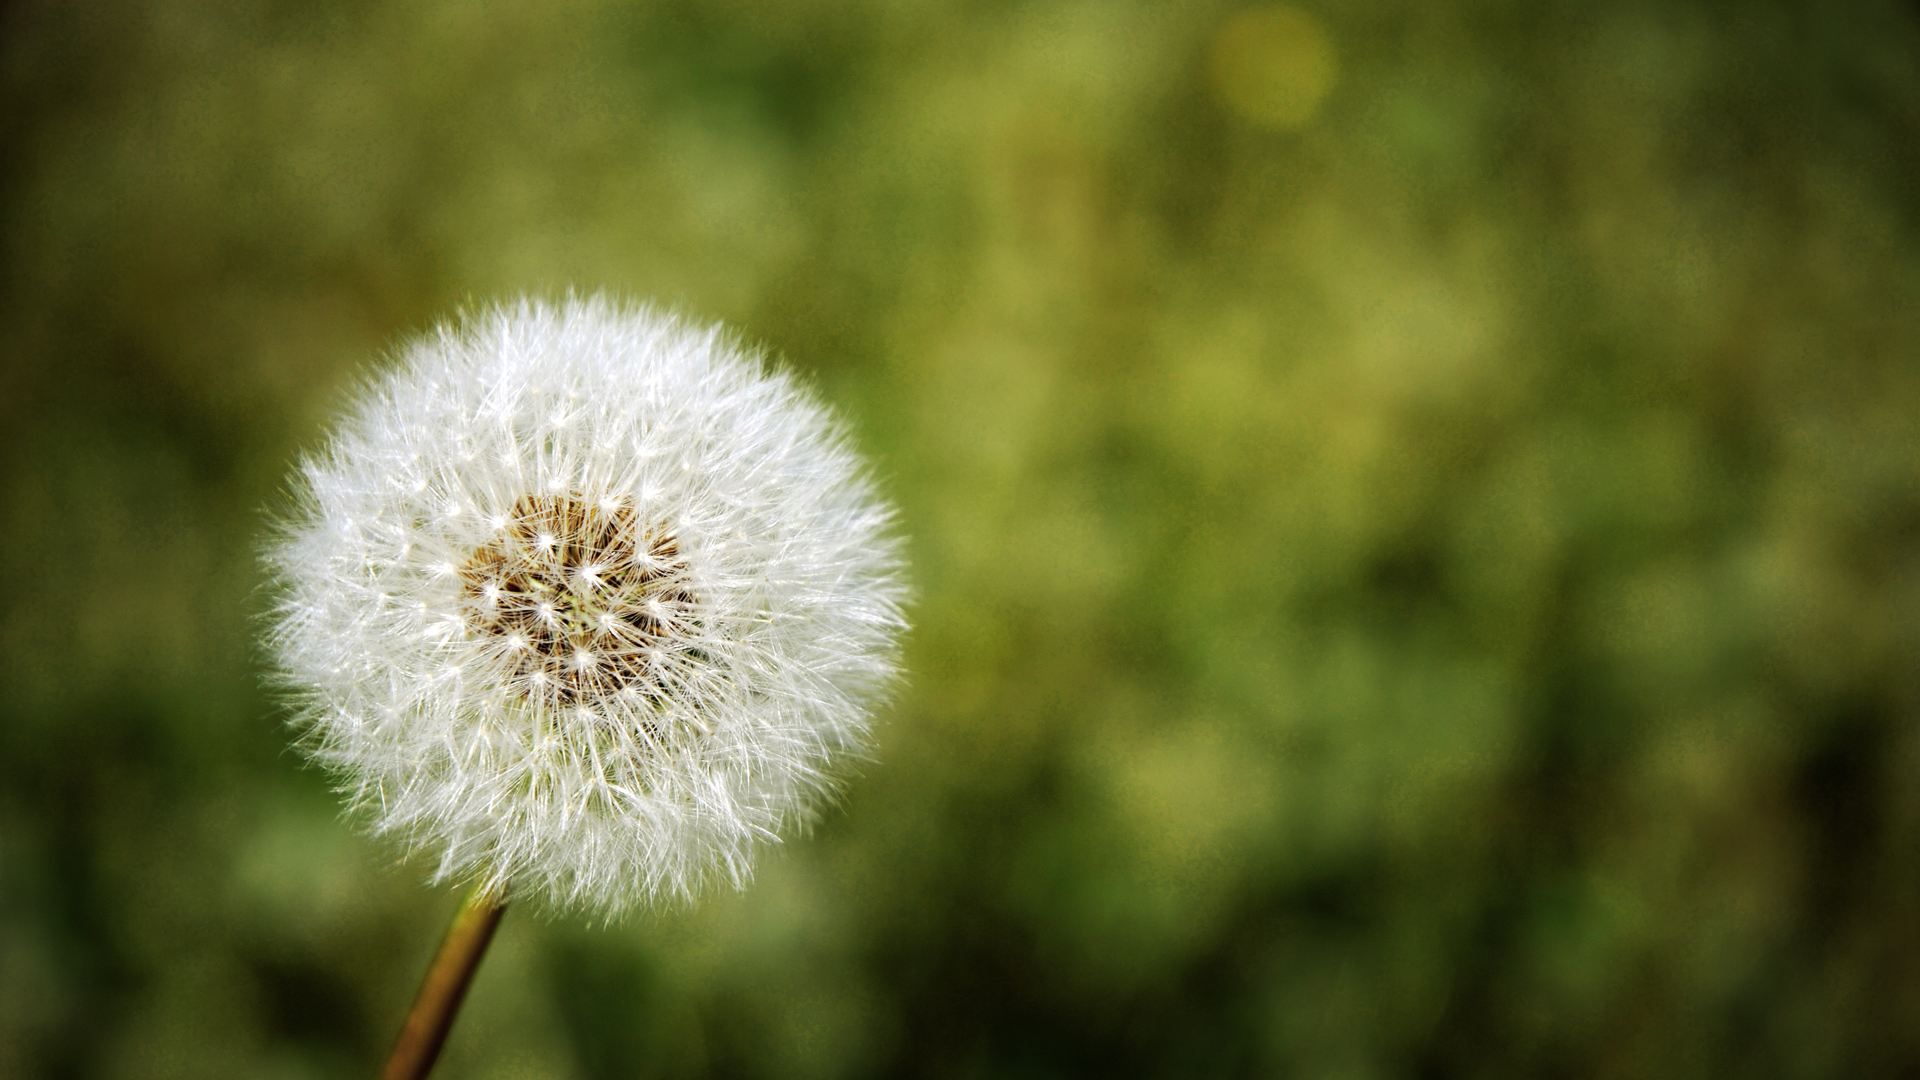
x=444 y=987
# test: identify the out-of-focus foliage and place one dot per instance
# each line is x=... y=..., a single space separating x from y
x=1415 y=512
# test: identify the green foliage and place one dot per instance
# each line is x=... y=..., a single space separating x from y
x=1419 y=550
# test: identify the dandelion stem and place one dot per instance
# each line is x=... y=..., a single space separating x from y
x=444 y=986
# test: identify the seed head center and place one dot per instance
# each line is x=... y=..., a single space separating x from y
x=580 y=597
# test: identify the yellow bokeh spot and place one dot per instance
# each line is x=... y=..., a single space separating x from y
x=1273 y=65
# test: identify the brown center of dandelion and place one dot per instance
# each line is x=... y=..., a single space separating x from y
x=583 y=600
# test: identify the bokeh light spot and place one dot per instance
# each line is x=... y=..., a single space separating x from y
x=1273 y=65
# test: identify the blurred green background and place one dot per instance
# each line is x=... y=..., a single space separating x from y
x=1414 y=510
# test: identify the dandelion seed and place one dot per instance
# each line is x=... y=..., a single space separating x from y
x=584 y=600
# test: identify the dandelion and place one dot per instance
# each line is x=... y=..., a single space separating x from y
x=587 y=604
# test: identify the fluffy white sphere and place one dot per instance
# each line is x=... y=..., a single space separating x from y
x=585 y=600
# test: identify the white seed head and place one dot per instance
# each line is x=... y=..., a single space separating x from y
x=584 y=599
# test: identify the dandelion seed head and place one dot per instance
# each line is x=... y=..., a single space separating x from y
x=586 y=600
